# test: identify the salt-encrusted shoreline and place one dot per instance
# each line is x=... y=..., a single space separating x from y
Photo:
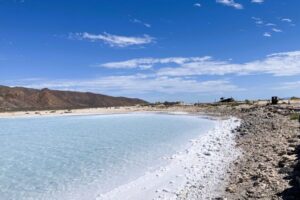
x=199 y=172
x=268 y=140
x=196 y=173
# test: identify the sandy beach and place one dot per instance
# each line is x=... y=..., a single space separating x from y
x=66 y=112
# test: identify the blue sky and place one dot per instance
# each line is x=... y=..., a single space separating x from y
x=191 y=50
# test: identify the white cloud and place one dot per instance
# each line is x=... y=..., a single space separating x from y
x=258 y=20
x=289 y=85
x=139 y=84
x=270 y=24
x=257 y=1
x=276 y=30
x=197 y=5
x=286 y=20
x=178 y=75
x=149 y=62
x=114 y=40
x=137 y=21
x=266 y=34
x=230 y=3
x=279 y=64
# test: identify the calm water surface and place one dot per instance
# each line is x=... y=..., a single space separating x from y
x=78 y=157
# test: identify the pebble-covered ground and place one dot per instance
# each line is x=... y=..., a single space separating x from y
x=269 y=166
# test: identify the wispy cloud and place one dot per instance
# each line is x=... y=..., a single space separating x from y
x=257 y=1
x=230 y=3
x=276 y=30
x=114 y=40
x=198 y=5
x=267 y=34
x=146 y=63
x=137 y=21
x=270 y=24
x=287 y=20
x=258 y=20
x=289 y=85
x=138 y=84
x=280 y=64
x=175 y=75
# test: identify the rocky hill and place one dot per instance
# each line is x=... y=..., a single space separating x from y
x=19 y=98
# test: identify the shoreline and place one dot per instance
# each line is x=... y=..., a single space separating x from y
x=268 y=165
x=191 y=169
x=65 y=112
x=269 y=139
x=106 y=111
x=210 y=153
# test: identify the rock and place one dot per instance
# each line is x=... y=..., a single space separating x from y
x=289 y=158
x=207 y=153
x=285 y=170
x=165 y=190
x=297 y=178
x=268 y=140
x=230 y=189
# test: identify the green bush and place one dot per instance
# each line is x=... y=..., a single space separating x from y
x=247 y=101
x=295 y=98
x=294 y=116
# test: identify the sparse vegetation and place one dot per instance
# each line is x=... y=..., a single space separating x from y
x=295 y=98
x=247 y=101
x=166 y=103
x=294 y=116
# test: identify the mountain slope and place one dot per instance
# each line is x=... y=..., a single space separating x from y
x=19 y=98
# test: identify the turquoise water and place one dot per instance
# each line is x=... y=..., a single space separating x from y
x=78 y=157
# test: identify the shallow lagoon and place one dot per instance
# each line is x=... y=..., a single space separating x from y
x=78 y=157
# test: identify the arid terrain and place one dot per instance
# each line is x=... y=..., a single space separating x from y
x=269 y=138
x=19 y=98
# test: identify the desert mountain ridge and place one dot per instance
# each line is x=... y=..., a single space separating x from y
x=21 y=98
